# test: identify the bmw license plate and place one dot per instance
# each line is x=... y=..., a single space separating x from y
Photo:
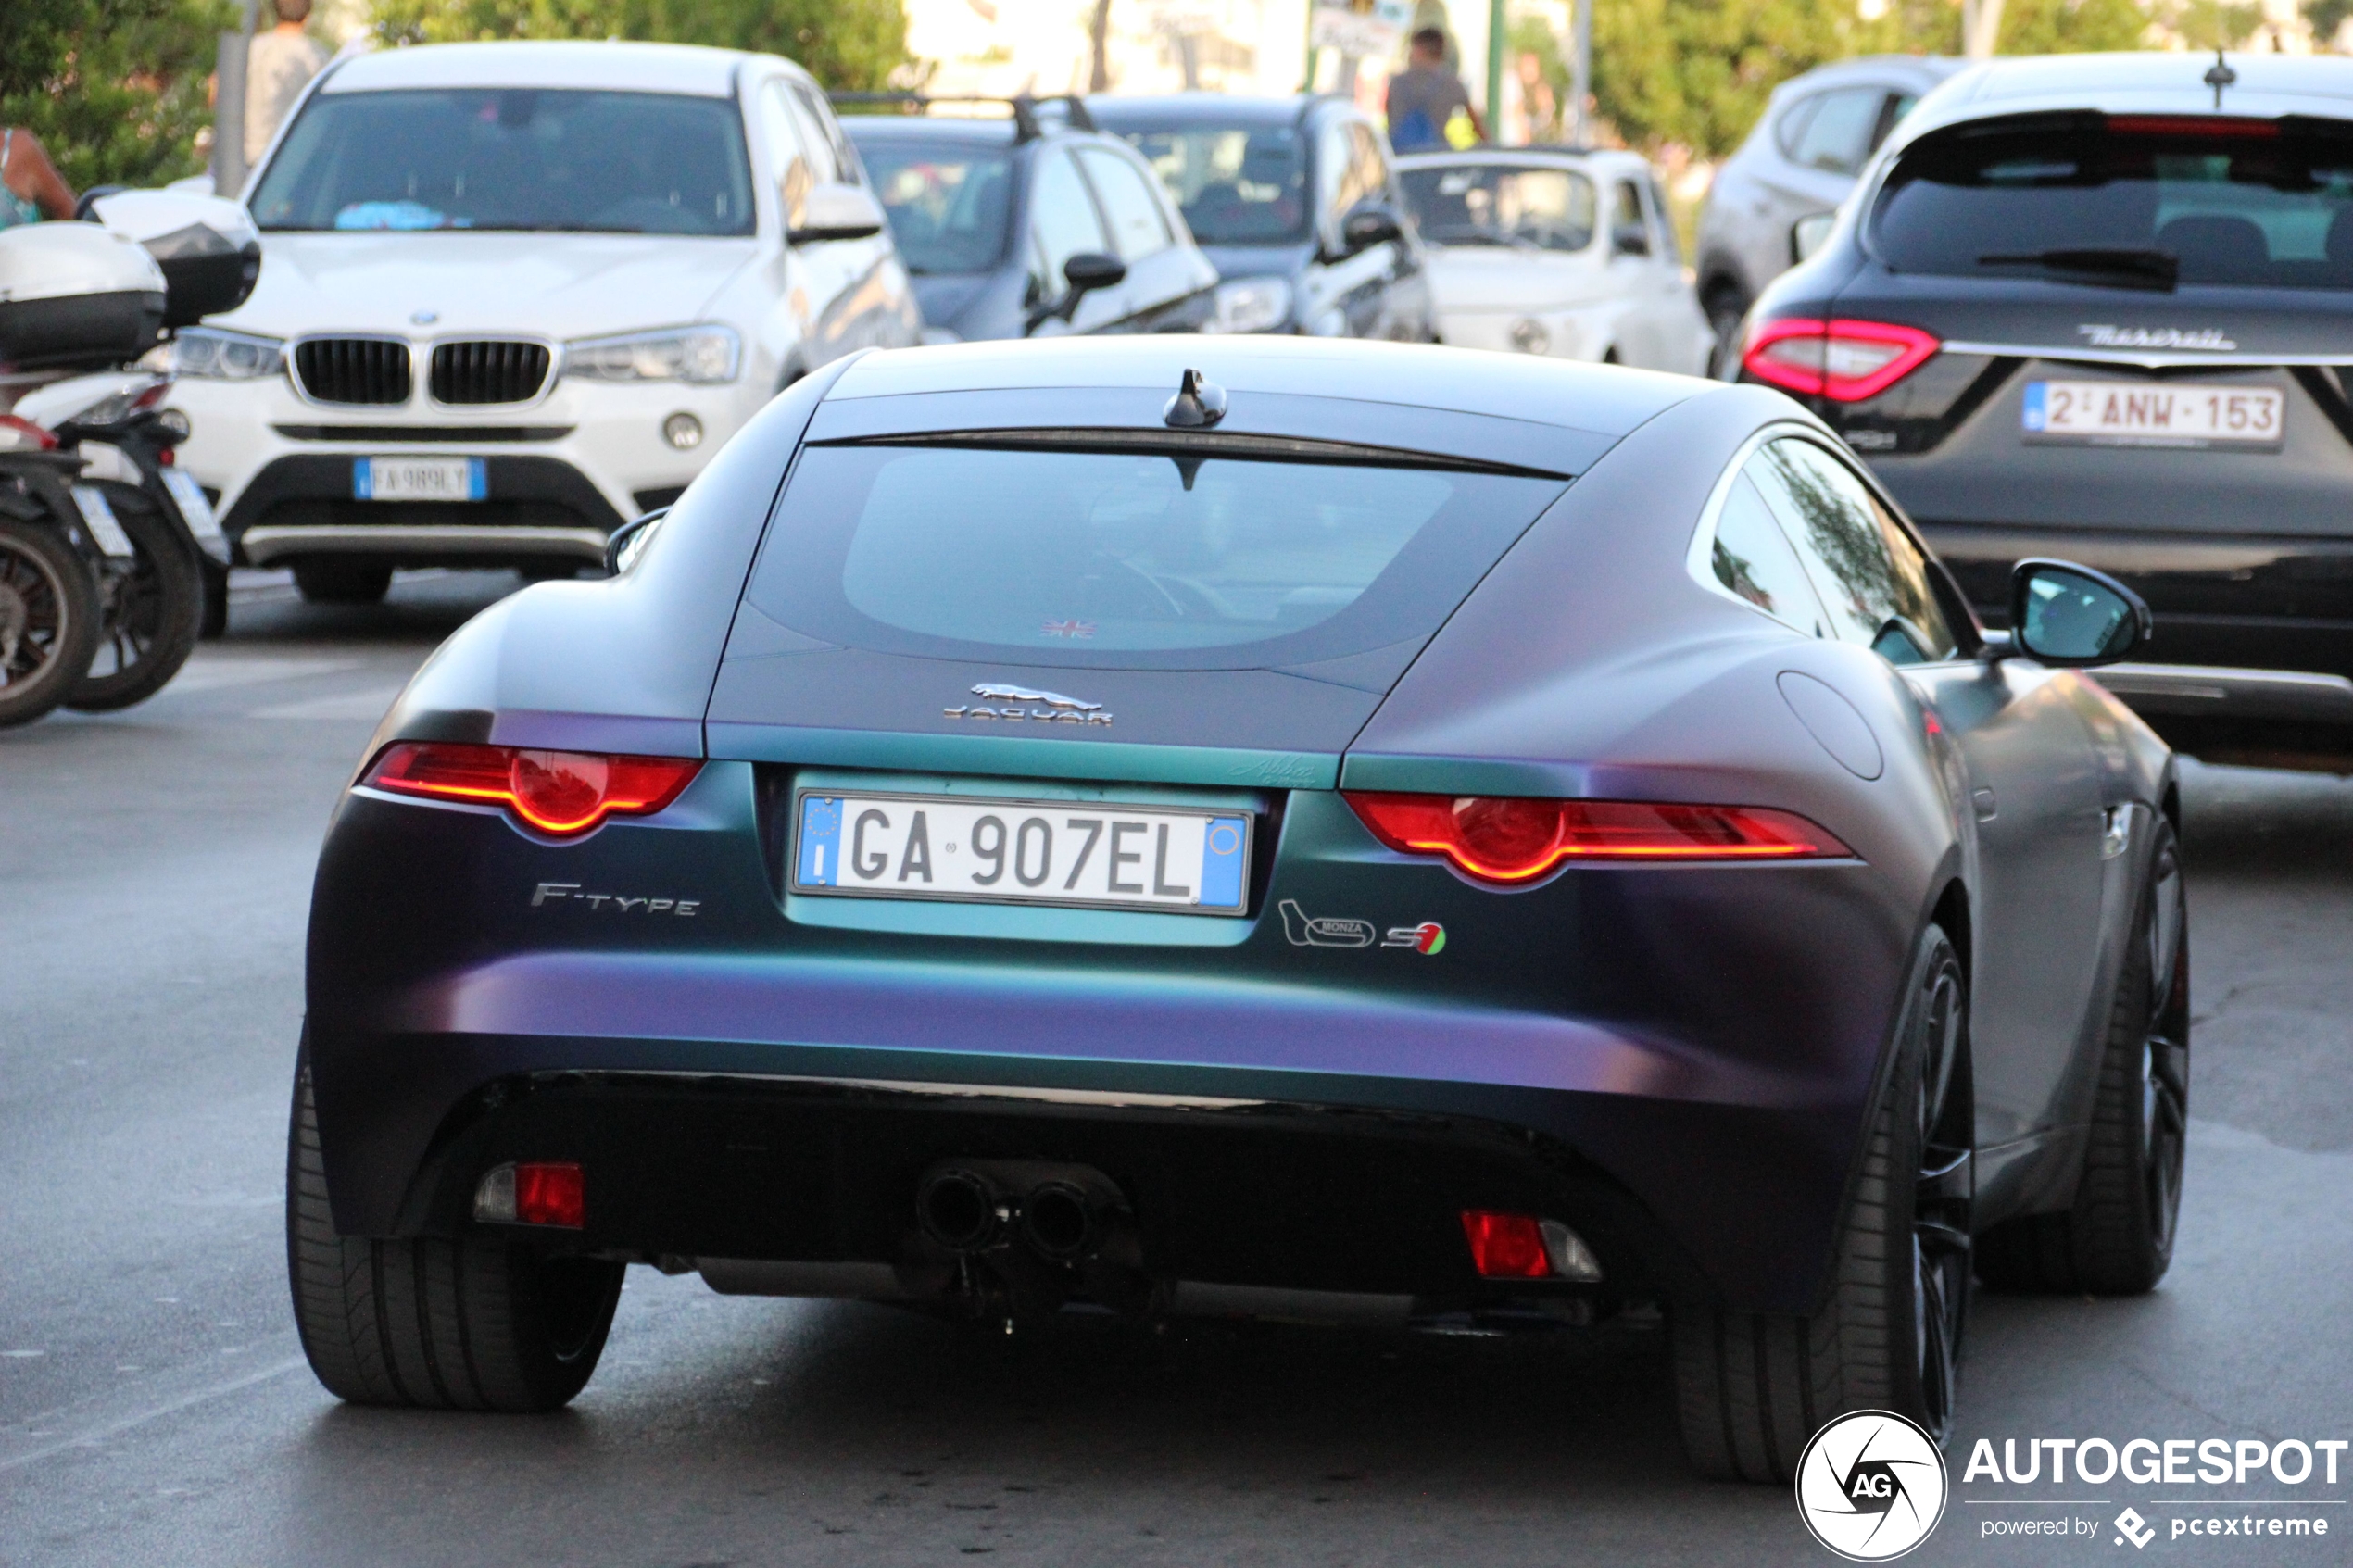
x=418 y=479
x=2153 y=413
x=194 y=506
x=1083 y=854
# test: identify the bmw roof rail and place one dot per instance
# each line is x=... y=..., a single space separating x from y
x=1026 y=127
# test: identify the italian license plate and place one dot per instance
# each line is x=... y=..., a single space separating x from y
x=2154 y=413
x=418 y=479
x=193 y=506
x=1082 y=854
x=97 y=516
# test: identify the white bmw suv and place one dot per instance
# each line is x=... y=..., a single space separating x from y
x=513 y=295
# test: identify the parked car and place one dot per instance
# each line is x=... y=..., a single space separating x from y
x=1296 y=202
x=2089 y=306
x=1295 y=830
x=1023 y=226
x=1770 y=200
x=515 y=294
x=1567 y=252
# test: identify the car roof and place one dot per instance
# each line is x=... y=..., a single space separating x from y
x=1533 y=157
x=1206 y=108
x=1602 y=401
x=928 y=128
x=2267 y=86
x=629 y=68
x=1924 y=70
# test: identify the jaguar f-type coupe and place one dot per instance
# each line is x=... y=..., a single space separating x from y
x=1295 y=830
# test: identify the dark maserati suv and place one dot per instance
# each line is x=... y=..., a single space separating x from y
x=2102 y=307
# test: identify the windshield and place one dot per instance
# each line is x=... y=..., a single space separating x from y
x=2133 y=202
x=508 y=159
x=948 y=205
x=1550 y=208
x=1128 y=559
x=1238 y=187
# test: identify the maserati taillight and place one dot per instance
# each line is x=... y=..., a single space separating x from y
x=1846 y=362
x=561 y=793
x=1508 y=839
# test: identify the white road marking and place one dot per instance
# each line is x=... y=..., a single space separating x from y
x=99 y=1435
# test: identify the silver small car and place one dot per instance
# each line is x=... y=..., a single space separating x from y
x=1817 y=132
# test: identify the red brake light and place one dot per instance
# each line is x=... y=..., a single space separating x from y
x=1506 y=1246
x=1844 y=361
x=2189 y=125
x=551 y=1195
x=1511 y=840
x=556 y=792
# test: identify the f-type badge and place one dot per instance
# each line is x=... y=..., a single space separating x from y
x=1051 y=706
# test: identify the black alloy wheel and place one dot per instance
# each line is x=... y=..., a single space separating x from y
x=48 y=620
x=2116 y=1238
x=150 y=611
x=1752 y=1388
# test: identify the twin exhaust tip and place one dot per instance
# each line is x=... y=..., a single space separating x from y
x=1062 y=1213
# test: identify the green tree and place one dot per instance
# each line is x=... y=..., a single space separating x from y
x=1698 y=72
x=2326 y=17
x=847 y=44
x=2071 y=27
x=114 y=88
x=2213 y=24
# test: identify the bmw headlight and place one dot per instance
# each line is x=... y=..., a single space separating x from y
x=1250 y=304
x=223 y=356
x=698 y=354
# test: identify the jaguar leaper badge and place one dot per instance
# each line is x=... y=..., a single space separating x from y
x=1049 y=708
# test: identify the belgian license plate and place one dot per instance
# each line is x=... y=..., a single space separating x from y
x=194 y=504
x=2154 y=413
x=1084 y=854
x=418 y=479
x=97 y=516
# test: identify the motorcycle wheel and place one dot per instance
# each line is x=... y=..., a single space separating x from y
x=48 y=620
x=150 y=615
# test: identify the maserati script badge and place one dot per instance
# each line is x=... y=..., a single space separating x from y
x=1050 y=707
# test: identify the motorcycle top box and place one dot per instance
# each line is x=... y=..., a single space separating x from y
x=207 y=246
x=76 y=295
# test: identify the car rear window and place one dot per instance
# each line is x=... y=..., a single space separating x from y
x=512 y=159
x=1128 y=559
x=1236 y=185
x=2145 y=202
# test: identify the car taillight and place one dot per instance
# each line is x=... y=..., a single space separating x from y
x=533 y=1193
x=1510 y=840
x=1844 y=361
x=1523 y=1246
x=556 y=792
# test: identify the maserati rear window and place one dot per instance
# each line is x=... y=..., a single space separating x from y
x=512 y=159
x=1128 y=559
x=2135 y=202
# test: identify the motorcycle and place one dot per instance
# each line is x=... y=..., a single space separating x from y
x=86 y=473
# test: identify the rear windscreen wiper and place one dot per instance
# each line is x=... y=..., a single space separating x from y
x=2124 y=265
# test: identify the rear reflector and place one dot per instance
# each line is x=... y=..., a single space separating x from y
x=1510 y=840
x=556 y=792
x=1523 y=1246
x=1844 y=361
x=539 y=1193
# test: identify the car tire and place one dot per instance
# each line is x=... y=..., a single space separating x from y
x=1752 y=1388
x=49 y=619
x=342 y=580
x=152 y=619
x=481 y=1322
x=2117 y=1237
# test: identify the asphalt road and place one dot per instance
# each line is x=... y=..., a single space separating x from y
x=153 y=1408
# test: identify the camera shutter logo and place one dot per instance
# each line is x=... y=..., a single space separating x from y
x=1872 y=1486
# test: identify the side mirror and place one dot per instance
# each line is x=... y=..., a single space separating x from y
x=1084 y=273
x=625 y=544
x=1629 y=239
x=836 y=212
x=1368 y=226
x=2070 y=616
x=1805 y=235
